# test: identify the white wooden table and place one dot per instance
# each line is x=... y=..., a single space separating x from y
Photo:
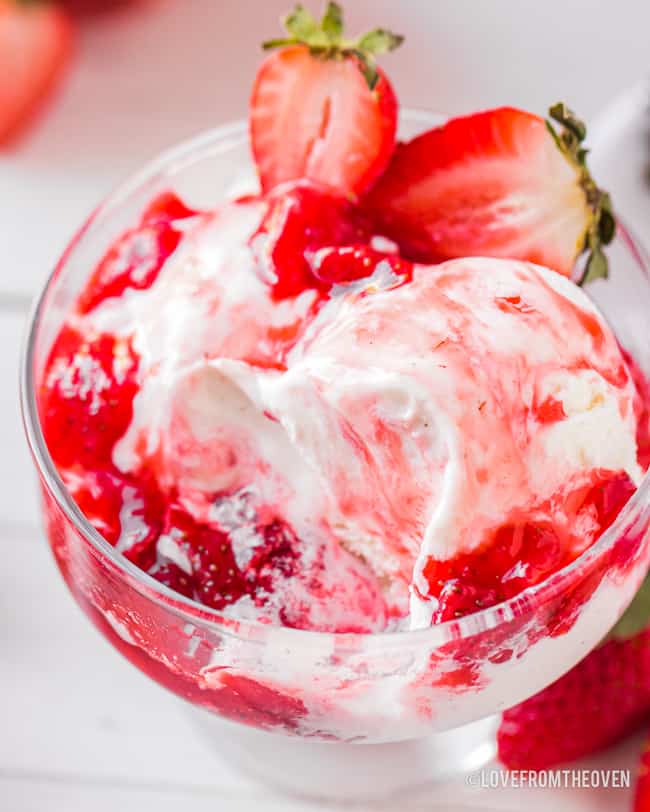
x=80 y=728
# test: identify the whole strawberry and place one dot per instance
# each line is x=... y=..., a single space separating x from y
x=642 y=791
x=35 y=41
x=603 y=698
x=83 y=8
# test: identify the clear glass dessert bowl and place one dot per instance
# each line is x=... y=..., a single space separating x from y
x=365 y=714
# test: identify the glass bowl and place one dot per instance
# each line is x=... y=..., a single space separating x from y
x=365 y=714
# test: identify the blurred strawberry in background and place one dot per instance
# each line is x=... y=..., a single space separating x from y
x=35 y=46
x=35 y=40
x=86 y=8
x=597 y=703
x=642 y=790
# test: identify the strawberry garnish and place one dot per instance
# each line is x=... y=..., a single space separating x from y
x=642 y=789
x=35 y=42
x=320 y=107
x=500 y=183
x=603 y=698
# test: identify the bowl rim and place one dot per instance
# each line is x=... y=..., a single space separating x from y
x=216 y=140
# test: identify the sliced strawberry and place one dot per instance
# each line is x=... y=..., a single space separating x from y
x=136 y=258
x=499 y=183
x=86 y=398
x=35 y=41
x=602 y=699
x=320 y=109
x=315 y=118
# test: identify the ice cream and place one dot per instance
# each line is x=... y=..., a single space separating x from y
x=388 y=423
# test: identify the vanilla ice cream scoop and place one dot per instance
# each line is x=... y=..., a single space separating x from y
x=402 y=420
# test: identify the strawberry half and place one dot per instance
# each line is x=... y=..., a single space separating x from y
x=499 y=183
x=35 y=40
x=320 y=109
x=602 y=699
x=642 y=790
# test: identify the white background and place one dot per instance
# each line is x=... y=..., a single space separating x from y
x=80 y=728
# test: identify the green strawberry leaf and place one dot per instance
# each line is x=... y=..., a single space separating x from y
x=597 y=266
x=607 y=222
x=367 y=67
x=601 y=225
x=379 y=42
x=281 y=42
x=332 y=22
x=567 y=118
x=325 y=39
x=301 y=24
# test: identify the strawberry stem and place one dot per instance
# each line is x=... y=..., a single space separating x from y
x=602 y=225
x=325 y=39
